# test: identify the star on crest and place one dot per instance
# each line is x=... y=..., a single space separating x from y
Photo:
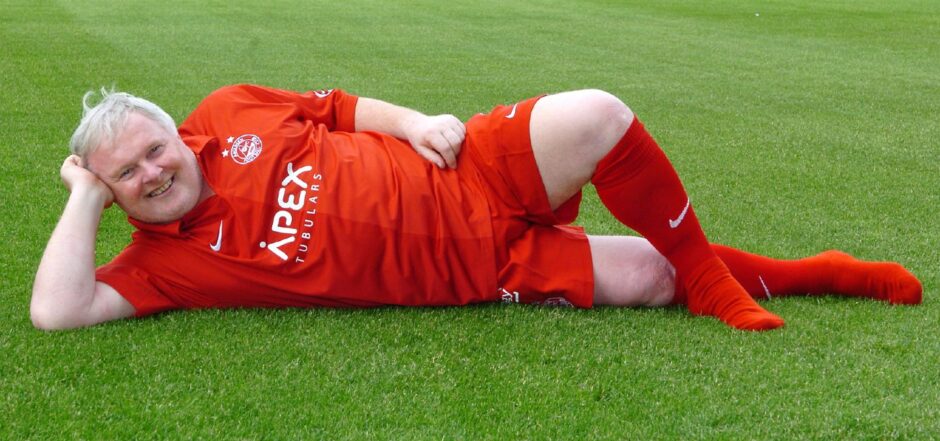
x=225 y=153
x=231 y=139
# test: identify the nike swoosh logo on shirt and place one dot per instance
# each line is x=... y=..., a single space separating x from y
x=218 y=242
x=675 y=223
x=513 y=112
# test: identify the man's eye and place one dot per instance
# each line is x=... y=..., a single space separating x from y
x=156 y=148
x=125 y=173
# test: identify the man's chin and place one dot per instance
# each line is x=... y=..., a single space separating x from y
x=153 y=218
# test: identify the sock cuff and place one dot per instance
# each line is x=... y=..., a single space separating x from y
x=635 y=145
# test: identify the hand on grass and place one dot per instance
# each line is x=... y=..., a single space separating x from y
x=436 y=138
x=78 y=179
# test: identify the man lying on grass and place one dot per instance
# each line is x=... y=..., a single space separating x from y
x=270 y=198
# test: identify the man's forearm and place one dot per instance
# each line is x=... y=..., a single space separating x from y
x=65 y=280
x=436 y=138
x=379 y=116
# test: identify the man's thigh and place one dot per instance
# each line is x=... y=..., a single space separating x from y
x=500 y=147
x=538 y=261
x=571 y=132
x=562 y=266
x=548 y=265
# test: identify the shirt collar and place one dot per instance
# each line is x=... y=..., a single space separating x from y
x=197 y=143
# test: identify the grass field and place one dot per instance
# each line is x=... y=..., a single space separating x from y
x=796 y=126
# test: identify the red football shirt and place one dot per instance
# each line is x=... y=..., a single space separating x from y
x=308 y=213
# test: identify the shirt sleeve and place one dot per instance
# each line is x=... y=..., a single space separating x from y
x=134 y=284
x=333 y=108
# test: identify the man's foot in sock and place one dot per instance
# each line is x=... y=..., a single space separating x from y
x=886 y=281
x=712 y=291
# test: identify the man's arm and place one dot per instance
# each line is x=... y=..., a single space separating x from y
x=65 y=293
x=436 y=138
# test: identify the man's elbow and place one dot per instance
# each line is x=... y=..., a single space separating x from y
x=47 y=317
x=49 y=312
x=42 y=320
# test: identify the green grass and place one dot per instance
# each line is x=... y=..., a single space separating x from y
x=803 y=128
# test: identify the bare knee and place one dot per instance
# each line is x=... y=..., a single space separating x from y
x=607 y=119
x=570 y=133
x=610 y=109
x=662 y=282
x=657 y=284
x=628 y=271
x=589 y=120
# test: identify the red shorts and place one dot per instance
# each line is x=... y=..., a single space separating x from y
x=540 y=259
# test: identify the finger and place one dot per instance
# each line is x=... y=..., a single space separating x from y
x=442 y=146
x=430 y=155
x=454 y=139
x=456 y=122
x=459 y=127
x=66 y=170
x=71 y=160
x=460 y=131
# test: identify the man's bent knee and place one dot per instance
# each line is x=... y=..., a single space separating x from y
x=663 y=282
x=628 y=271
x=607 y=119
x=571 y=132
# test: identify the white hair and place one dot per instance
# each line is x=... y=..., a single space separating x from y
x=104 y=121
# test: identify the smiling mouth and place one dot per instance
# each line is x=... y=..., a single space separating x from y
x=163 y=188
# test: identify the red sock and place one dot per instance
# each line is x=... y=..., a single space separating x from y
x=831 y=272
x=639 y=186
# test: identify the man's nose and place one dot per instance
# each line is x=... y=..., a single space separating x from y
x=151 y=171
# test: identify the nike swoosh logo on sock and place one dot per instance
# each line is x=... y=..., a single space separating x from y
x=218 y=242
x=675 y=223
x=766 y=291
x=513 y=112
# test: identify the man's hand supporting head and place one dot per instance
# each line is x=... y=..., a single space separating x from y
x=65 y=293
x=78 y=179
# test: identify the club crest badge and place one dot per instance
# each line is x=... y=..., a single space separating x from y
x=246 y=148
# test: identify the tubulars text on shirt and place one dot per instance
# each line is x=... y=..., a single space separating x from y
x=294 y=197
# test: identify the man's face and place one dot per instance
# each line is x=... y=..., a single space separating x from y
x=153 y=175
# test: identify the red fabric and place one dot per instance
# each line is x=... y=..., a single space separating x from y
x=549 y=265
x=317 y=218
x=640 y=187
x=831 y=272
x=539 y=260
